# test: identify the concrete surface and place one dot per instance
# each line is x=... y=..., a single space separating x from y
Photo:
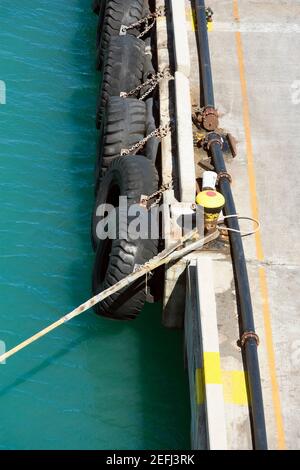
x=255 y=50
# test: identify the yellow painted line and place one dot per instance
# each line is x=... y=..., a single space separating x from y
x=234 y=387
x=258 y=239
x=212 y=368
x=271 y=357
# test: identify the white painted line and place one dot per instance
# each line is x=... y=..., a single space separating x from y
x=234 y=27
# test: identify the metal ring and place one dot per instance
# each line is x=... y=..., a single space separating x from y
x=218 y=139
x=249 y=335
x=224 y=174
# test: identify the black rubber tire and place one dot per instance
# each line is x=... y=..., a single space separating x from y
x=99 y=31
x=119 y=258
x=116 y=14
x=124 y=124
x=115 y=259
x=129 y=176
x=152 y=146
x=123 y=70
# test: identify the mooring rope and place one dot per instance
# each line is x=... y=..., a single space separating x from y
x=164 y=257
x=241 y=232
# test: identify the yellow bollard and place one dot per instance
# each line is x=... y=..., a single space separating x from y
x=213 y=203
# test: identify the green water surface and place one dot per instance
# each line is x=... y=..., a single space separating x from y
x=91 y=384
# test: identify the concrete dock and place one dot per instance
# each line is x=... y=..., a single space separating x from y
x=255 y=52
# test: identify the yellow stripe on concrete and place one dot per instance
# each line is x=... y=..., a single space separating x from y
x=234 y=387
x=212 y=368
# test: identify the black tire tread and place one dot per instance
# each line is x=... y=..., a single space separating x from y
x=112 y=306
x=125 y=125
x=123 y=70
x=139 y=176
x=117 y=13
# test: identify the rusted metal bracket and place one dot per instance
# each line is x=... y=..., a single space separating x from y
x=232 y=145
x=201 y=140
x=209 y=14
x=207 y=118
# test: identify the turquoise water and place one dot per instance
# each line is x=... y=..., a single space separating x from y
x=92 y=383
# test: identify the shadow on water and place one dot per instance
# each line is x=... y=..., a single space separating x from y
x=163 y=383
x=31 y=373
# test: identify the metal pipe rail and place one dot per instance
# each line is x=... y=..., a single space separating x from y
x=248 y=336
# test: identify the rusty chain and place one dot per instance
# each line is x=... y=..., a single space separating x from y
x=145 y=199
x=159 y=133
x=143 y=21
x=152 y=82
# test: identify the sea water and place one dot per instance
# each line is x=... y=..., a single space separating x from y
x=93 y=383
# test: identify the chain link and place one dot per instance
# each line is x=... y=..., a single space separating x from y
x=145 y=199
x=152 y=82
x=143 y=21
x=159 y=133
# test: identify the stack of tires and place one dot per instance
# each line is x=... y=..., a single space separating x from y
x=122 y=122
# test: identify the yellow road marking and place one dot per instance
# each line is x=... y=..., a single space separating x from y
x=258 y=239
x=234 y=387
x=271 y=357
x=212 y=367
